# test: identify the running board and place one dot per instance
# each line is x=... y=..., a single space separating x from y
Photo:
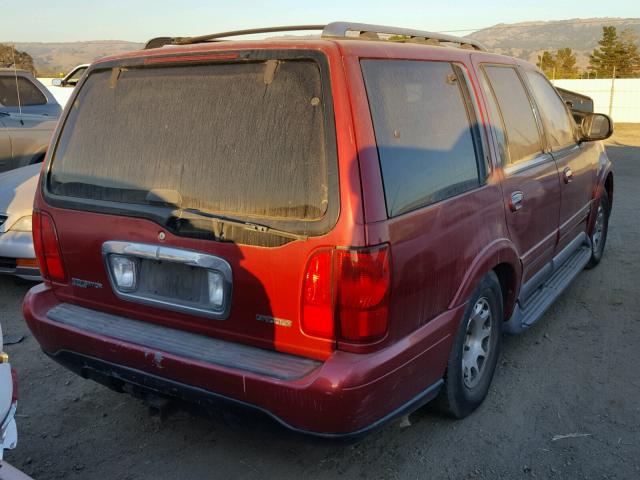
x=529 y=312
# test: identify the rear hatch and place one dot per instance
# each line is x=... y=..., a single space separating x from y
x=190 y=191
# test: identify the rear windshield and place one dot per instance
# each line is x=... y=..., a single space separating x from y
x=242 y=139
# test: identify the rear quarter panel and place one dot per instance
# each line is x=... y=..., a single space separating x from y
x=439 y=252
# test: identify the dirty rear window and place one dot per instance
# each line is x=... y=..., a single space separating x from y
x=246 y=139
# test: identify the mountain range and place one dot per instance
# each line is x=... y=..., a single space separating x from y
x=524 y=40
x=527 y=40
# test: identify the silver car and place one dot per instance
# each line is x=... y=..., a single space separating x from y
x=17 y=189
x=28 y=115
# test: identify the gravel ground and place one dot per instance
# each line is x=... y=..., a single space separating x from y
x=569 y=375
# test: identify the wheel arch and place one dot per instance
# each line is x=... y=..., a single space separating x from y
x=605 y=184
x=502 y=258
x=608 y=186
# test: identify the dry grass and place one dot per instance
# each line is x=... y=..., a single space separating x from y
x=626 y=134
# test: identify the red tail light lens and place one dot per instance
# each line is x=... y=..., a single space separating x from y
x=317 y=296
x=47 y=247
x=348 y=287
x=364 y=278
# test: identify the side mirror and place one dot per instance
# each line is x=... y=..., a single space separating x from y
x=56 y=82
x=595 y=126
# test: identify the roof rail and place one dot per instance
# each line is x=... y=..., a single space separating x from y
x=362 y=31
x=161 y=41
x=365 y=31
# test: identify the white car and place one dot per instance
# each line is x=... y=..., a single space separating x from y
x=62 y=88
x=8 y=402
x=17 y=189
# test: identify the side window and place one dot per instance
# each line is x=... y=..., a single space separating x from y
x=29 y=93
x=73 y=79
x=496 y=120
x=558 y=125
x=519 y=123
x=424 y=132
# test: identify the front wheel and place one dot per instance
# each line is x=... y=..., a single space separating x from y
x=600 y=229
x=475 y=352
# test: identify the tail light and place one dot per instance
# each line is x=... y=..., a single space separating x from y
x=364 y=280
x=346 y=291
x=317 y=296
x=47 y=247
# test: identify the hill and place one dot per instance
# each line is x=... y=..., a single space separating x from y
x=52 y=58
x=528 y=39
x=524 y=40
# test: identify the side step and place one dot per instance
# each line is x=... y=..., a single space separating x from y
x=529 y=312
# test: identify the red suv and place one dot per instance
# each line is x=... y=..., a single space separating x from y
x=333 y=231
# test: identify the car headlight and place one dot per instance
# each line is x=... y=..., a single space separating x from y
x=22 y=225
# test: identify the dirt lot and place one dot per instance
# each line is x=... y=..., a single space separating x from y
x=573 y=373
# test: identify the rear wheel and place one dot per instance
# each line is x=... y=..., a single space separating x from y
x=600 y=229
x=475 y=352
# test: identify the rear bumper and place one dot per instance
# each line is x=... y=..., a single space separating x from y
x=116 y=376
x=346 y=395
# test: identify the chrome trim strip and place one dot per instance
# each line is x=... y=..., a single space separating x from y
x=540 y=159
x=172 y=255
x=577 y=218
x=565 y=151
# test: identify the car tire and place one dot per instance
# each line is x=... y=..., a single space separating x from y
x=601 y=227
x=474 y=357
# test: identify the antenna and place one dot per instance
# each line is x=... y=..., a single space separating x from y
x=15 y=74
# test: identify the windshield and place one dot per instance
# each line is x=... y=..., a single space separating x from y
x=243 y=139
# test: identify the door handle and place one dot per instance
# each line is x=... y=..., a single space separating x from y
x=567 y=175
x=515 y=203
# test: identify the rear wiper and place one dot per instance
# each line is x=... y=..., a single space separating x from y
x=223 y=219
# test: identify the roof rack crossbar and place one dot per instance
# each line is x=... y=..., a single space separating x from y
x=332 y=30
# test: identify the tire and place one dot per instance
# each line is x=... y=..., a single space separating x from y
x=463 y=391
x=600 y=229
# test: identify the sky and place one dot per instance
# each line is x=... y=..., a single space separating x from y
x=139 y=20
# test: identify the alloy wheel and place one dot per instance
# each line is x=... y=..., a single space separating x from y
x=477 y=343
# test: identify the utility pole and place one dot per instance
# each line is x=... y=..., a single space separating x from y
x=613 y=80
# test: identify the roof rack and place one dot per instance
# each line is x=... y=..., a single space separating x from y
x=364 y=31
x=343 y=30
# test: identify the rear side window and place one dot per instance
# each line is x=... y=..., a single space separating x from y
x=558 y=124
x=423 y=130
x=29 y=93
x=496 y=121
x=244 y=139
x=518 y=121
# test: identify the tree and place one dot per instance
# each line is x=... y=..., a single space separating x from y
x=565 y=63
x=562 y=64
x=603 y=58
x=546 y=63
x=619 y=53
x=22 y=59
x=630 y=56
